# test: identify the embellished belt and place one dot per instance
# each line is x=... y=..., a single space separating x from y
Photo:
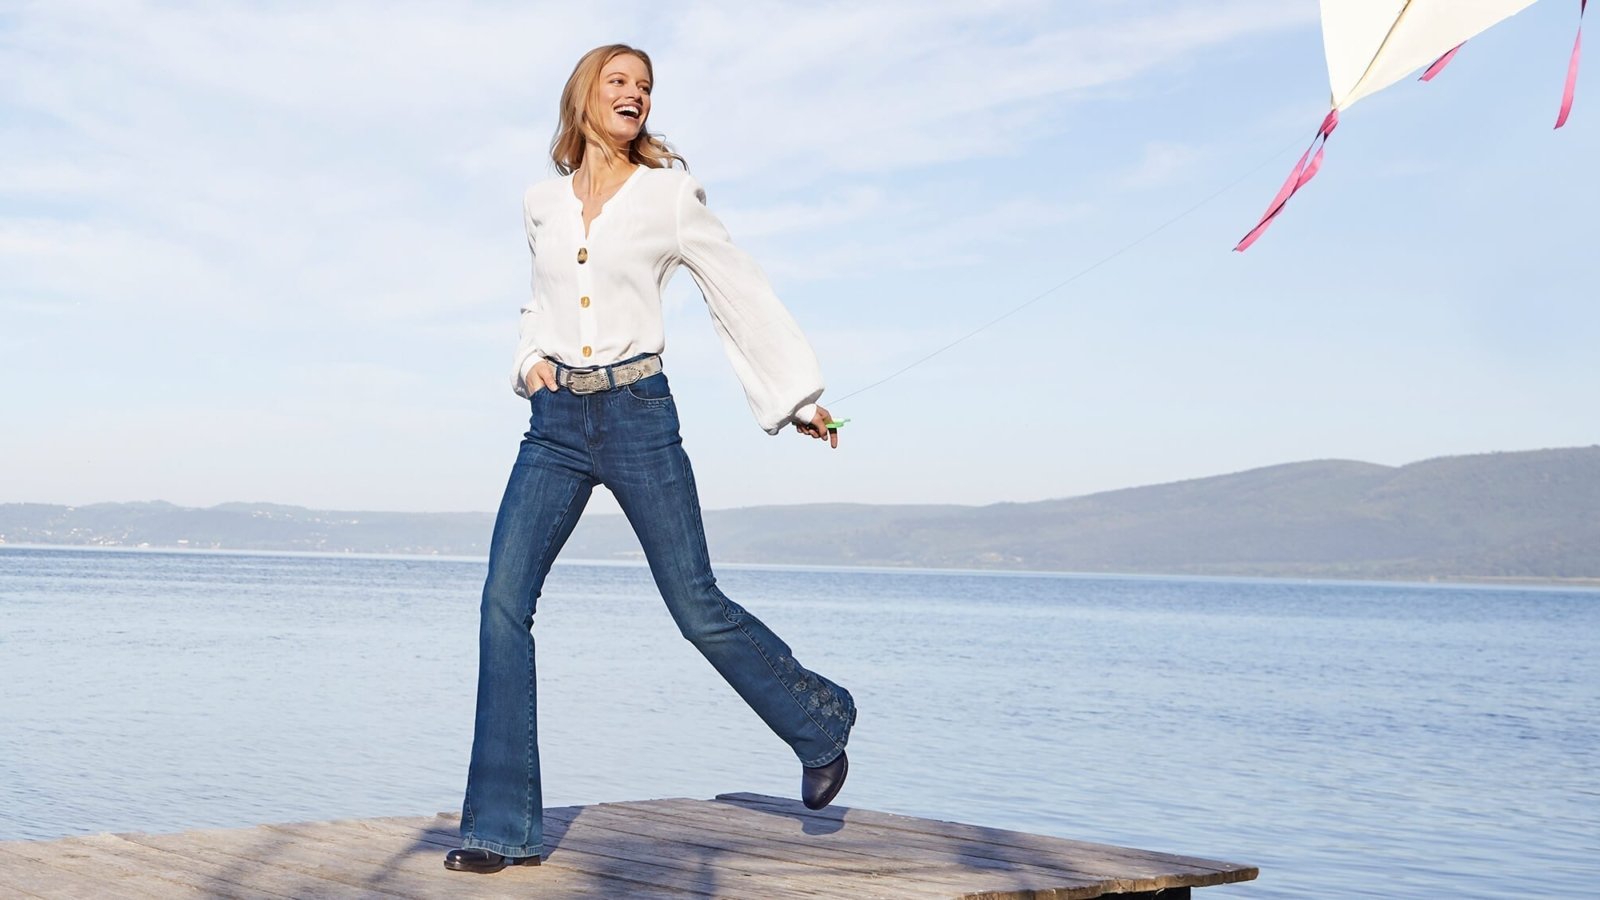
x=594 y=379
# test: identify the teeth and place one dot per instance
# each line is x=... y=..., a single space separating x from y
x=628 y=111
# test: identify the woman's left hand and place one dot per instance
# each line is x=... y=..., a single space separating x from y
x=818 y=427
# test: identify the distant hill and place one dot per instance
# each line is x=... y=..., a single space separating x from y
x=1533 y=514
x=245 y=526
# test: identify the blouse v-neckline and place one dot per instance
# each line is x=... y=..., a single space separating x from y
x=572 y=191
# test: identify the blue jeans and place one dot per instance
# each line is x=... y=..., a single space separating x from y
x=627 y=439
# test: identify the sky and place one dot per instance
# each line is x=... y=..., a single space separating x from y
x=273 y=252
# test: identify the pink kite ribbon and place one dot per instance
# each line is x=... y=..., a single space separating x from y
x=1572 y=68
x=1441 y=62
x=1303 y=172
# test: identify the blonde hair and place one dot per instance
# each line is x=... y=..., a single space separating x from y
x=576 y=129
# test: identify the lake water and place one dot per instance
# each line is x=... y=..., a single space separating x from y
x=1352 y=740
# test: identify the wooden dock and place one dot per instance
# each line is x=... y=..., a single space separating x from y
x=737 y=845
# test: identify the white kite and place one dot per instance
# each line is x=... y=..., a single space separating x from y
x=1371 y=44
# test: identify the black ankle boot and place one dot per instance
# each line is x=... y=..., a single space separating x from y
x=819 y=785
x=484 y=861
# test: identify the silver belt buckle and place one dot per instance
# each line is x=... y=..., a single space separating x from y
x=587 y=382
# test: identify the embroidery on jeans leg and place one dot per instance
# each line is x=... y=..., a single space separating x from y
x=801 y=684
x=813 y=691
x=828 y=702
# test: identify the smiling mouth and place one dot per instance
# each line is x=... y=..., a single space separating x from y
x=631 y=112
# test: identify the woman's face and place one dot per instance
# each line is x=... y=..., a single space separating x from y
x=621 y=98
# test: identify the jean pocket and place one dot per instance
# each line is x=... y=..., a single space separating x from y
x=537 y=413
x=652 y=391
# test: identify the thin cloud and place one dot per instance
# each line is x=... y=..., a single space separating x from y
x=956 y=82
x=923 y=237
x=849 y=204
x=1163 y=162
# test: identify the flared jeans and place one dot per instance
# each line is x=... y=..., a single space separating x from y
x=627 y=439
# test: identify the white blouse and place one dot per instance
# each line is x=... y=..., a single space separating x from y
x=597 y=297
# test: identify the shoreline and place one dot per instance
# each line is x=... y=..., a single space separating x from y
x=1577 y=584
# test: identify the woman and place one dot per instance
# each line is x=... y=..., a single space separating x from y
x=606 y=236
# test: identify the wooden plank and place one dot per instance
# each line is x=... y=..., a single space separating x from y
x=406 y=860
x=24 y=876
x=595 y=831
x=626 y=864
x=845 y=850
x=1069 y=857
x=1022 y=839
x=1195 y=871
x=821 y=849
x=1137 y=873
x=775 y=870
x=398 y=861
x=111 y=875
x=580 y=838
x=789 y=856
x=214 y=878
x=275 y=862
x=570 y=878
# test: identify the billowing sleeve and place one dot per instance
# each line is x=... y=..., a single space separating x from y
x=528 y=353
x=779 y=370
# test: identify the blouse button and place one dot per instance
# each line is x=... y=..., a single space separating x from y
x=583 y=255
x=587 y=350
x=583 y=302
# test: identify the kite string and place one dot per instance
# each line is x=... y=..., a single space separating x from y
x=1074 y=277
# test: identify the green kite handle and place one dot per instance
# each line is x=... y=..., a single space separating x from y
x=835 y=426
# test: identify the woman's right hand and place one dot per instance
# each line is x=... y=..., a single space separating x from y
x=542 y=376
x=818 y=427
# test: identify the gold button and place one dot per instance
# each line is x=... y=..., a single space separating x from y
x=583 y=302
x=587 y=350
x=583 y=255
